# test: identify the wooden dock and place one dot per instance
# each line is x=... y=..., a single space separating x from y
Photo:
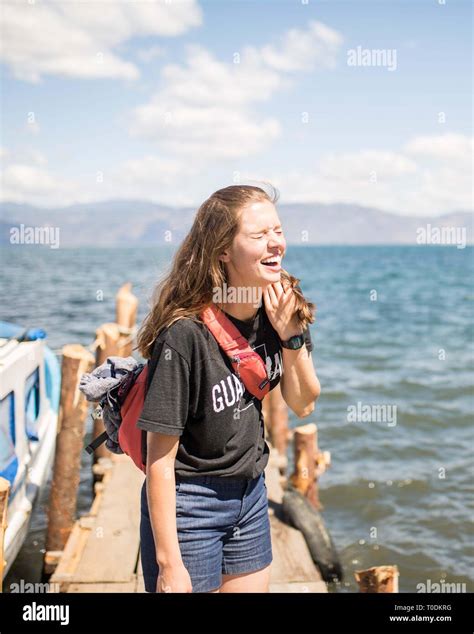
x=102 y=553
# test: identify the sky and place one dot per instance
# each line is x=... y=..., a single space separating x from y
x=366 y=102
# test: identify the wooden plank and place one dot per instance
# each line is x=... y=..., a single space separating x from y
x=76 y=543
x=292 y=562
x=291 y=558
x=72 y=553
x=111 y=551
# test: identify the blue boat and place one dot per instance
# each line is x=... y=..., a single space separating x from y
x=30 y=381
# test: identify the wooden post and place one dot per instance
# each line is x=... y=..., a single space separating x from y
x=67 y=460
x=126 y=305
x=108 y=345
x=108 y=342
x=4 y=491
x=115 y=340
x=378 y=579
x=310 y=463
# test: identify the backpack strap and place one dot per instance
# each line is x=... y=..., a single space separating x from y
x=247 y=363
x=92 y=446
x=143 y=432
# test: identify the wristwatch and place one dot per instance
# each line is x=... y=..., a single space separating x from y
x=293 y=343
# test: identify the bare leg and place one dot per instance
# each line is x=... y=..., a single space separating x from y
x=258 y=581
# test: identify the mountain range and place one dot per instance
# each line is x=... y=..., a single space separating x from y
x=133 y=223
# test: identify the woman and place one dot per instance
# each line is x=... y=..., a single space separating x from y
x=204 y=520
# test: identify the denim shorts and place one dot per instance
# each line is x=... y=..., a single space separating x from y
x=223 y=527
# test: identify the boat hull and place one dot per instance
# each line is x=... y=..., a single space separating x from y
x=29 y=388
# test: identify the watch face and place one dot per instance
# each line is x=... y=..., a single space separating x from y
x=296 y=342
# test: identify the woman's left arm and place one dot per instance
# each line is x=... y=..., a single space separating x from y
x=299 y=384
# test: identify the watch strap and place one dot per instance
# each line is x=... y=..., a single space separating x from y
x=293 y=343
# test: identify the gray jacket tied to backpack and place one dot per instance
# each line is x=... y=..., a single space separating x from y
x=102 y=385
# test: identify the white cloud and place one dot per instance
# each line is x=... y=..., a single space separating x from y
x=304 y=50
x=445 y=147
x=204 y=112
x=25 y=179
x=205 y=109
x=162 y=180
x=148 y=54
x=205 y=134
x=387 y=180
x=28 y=183
x=76 y=39
x=394 y=182
x=150 y=168
x=365 y=165
x=28 y=155
x=441 y=189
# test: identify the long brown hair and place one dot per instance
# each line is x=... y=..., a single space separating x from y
x=196 y=270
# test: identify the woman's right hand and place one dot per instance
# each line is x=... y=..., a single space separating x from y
x=174 y=578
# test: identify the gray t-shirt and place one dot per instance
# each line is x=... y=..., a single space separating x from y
x=194 y=393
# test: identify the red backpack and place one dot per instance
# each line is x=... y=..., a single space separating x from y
x=247 y=364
